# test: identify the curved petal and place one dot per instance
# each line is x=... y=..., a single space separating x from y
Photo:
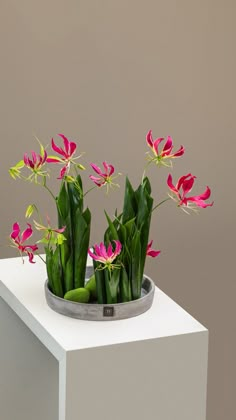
x=170 y=184
x=60 y=230
x=92 y=255
x=187 y=185
x=25 y=158
x=98 y=181
x=179 y=152
x=168 y=147
x=31 y=257
x=181 y=180
x=15 y=231
x=152 y=253
x=53 y=160
x=66 y=143
x=34 y=157
x=57 y=149
x=205 y=195
x=62 y=172
x=109 y=250
x=118 y=248
x=109 y=169
x=30 y=163
x=72 y=148
x=27 y=233
x=96 y=168
x=103 y=251
x=97 y=249
x=156 y=144
x=199 y=202
x=149 y=138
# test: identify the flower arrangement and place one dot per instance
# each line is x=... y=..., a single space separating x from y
x=119 y=259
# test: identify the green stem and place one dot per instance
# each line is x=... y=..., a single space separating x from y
x=50 y=192
x=88 y=191
x=145 y=168
x=41 y=258
x=166 y=199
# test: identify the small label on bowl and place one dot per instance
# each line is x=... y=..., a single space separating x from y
x=108 y=311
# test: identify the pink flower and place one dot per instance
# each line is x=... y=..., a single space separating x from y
x=66 y=154
x=152 y=252
x=104 y=177
x=18 y=240
x=183 y=187
x=160 y=157
x=36 y=162
x=53 y=235
x=105 y=256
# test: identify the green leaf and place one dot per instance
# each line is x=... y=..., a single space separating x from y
x=53 y=266
x=129 y=208
x=100 y=282
x=112 y=233
x=63 y=204
x=68 y=276
x=136 y=280
x=49 y=267
x=81 y=240
x=125 y=286
x=114 y=284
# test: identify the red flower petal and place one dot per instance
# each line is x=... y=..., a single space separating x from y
x=27 y=233
x=149 y=138
x=168 y=146
x=181 y=180
x=170 y=184
x=109 y=169
x=57 y=149
x=180 y=152
x=15 y=231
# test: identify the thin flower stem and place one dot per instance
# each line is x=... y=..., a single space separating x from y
x=76 y=171
x=50 y=192
x=89 y=191
x=163 y=201
x=41 y=258
x=145 y=168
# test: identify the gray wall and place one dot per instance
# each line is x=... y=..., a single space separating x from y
x=104 y=73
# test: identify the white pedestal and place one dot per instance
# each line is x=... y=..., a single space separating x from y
x=52 y=367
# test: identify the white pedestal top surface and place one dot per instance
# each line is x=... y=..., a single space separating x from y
x=22 y=288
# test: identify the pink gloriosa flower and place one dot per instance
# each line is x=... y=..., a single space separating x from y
x=152 y=252
x=66 y=154
x=50 y=233
x=103 y=255
x=18 y=240
x=104 y=177
x=160 y=157
x=36 y=162
x=183 y=187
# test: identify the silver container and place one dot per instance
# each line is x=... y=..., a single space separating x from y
x=102 y=312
